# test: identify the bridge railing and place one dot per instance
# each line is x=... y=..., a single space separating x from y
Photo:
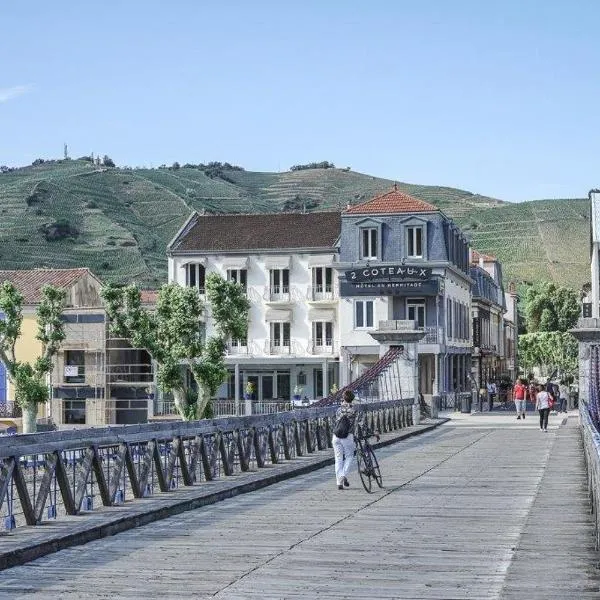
x=48 y=475
x=591 y=449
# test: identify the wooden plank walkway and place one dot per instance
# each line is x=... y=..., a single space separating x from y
x=465 y=514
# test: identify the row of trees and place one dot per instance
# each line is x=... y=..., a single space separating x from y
x=325 y=164
x=173 y=334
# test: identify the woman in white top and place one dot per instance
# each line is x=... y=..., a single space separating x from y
x=542 y=404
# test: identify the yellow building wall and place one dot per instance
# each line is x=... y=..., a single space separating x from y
x=27 y=349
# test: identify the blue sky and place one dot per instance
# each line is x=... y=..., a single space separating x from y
x=497 y=97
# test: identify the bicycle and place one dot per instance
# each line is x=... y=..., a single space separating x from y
x=368 y=467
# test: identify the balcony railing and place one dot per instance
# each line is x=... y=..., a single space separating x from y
x=277 y=293
x=238 y=347
x=321 y=293
x=433 y=335
x=278 y=346
x=321 y=346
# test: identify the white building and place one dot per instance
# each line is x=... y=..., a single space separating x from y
x=285 y=262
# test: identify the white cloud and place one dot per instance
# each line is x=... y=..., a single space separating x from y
x=13 y=92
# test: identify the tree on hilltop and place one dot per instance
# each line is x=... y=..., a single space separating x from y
x=313 y=165
x=107 y=161
x=174 y=336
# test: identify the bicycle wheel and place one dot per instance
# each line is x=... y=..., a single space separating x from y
x=375 y=472
x=363 y=463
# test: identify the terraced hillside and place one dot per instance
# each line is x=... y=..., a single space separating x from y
x=119 y=221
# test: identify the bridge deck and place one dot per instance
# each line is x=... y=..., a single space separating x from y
x=484 y=507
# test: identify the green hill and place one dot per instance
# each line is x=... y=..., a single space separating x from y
x=119 y=221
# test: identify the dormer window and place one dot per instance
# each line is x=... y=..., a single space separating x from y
x=368 y=243
x=414 y=242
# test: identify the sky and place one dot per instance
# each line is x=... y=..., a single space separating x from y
x=498 y=97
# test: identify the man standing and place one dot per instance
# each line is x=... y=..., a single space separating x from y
x=519 y=396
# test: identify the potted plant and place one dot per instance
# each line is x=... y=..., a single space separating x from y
x=298 y=389
x=250 y=389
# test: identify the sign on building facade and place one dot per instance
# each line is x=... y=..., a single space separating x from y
x=395 y=280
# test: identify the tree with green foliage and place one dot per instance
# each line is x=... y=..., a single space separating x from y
x=30 y=380
x=549 y=307
x=549 y=351
x=174 y=335
x=325 y=164
x=550 y=311
x=107 y=161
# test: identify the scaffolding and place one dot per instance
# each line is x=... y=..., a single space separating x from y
x=98 y=380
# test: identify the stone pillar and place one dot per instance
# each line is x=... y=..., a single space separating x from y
x=325 y=379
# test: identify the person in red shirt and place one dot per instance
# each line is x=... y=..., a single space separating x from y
x=520 y=397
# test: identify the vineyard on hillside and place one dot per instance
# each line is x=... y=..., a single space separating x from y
x=118 y=221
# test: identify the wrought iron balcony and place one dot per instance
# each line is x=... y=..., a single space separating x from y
x=433 y=335
x=277 y=293
x=278 y=346
x=321 y=346
x=321 y=293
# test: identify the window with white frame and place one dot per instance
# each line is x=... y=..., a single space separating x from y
x=414 y=242
x=280 y=281
x=280 y=333
x=368 y=243
x=322 y=333
x=194 y=276
x=322 y=279
x=415 y=310
x=238 y=275
x=363 y=314
x=237 y=343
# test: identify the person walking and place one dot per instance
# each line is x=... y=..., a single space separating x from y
x=542 y=405
x=519 y=396
x=491 y=391
x=532 y=390
x=346 y=421
x=563 y=395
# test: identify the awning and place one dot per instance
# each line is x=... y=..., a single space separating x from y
x=277 y=262
x=278 y=314
x=323 y=260
x=321 y=314
x=235 y=262
x=197 y=261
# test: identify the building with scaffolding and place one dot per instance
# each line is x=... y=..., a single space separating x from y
x=96 y=379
